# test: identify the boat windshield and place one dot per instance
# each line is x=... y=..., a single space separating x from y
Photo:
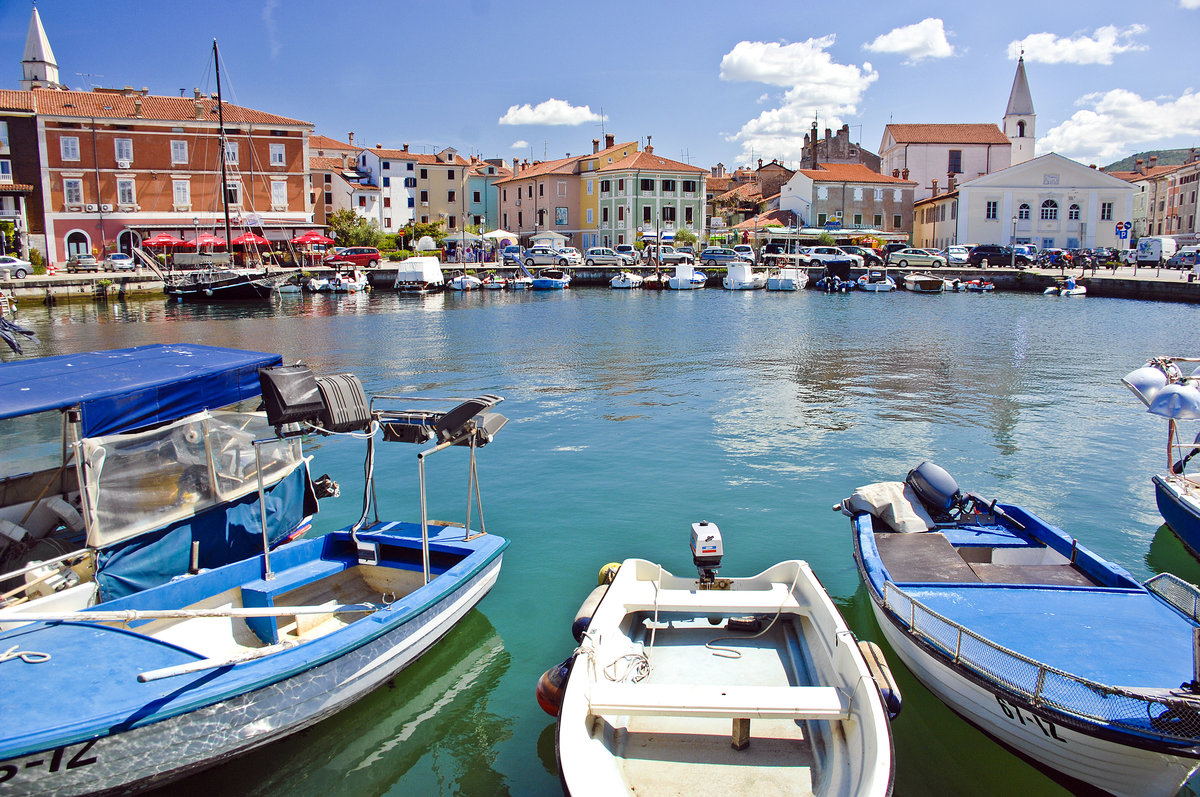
x=141 y=481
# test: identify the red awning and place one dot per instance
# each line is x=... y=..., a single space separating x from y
x=311 y=238
x=207 y=239
x=163 y=239
x=250 y=239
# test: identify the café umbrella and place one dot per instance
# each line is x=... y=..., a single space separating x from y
x=250 y=239
x=163 y=239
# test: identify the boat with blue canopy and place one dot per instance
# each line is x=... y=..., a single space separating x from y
x=148 y=687
x=1054 y=652
x=154 y=474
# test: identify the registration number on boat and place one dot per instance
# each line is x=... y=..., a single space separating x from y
x=1025 y=718
x=58 y=759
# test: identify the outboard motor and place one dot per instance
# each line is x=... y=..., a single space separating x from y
x=936 y=488
x=706 y=551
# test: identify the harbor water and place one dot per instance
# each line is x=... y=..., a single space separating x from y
x=634 y=414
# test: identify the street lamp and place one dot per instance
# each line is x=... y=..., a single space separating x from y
x=1012 y=244
x=196 y=231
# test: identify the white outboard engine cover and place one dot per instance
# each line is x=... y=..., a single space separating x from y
x=707 y=549
x=934 y=486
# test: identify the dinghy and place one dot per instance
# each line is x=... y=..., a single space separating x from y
x=144 y=689
x=720 y=685
x=1056 y=653
x=626 y=280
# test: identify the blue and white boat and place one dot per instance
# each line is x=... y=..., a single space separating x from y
x=146 y=688
x=1162 y=387
x=687 y=278
x=551 y=279
x=787 y=279
x=155 y=473
x=876 y=280
x=1054 y=652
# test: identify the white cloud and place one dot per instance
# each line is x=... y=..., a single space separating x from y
x=816 y=86
x=520 y=144
x=1189 y=4
x=268 y=18
x=550 y=112
x=1113 y=123
x=925 y=39
x=1099 y=48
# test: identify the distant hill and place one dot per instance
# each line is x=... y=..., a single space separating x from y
x=1166 y=157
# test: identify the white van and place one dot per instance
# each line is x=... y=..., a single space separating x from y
x=1154 y=251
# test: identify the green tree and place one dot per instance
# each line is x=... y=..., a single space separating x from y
x=354 y=230
x=685 y=237
x=825 y=239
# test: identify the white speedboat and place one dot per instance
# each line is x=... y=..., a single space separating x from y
x=1066 y=288
x=419 y=275
x=317 y=284
x=465 y=282
x=493 y=282
x=787 y=279
x=625 y=280
x=351 y=281
x=924 y=283
x=876 y=281
x=743 y=277
x=722 y=686
x=687 y=278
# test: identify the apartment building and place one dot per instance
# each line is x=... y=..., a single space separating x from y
x=644 y=193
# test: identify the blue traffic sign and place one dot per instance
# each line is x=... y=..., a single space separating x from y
x=1128 y=225
x=1122 y=234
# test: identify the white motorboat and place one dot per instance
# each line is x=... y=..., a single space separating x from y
x=687 y=278
x=722 y=686
x=787 y=279
x=418 y=275
x=626 y=279
x=876 y=281
x=317 y=284
x=351 y=281
x=493 y=282
x=743 y=277
x=465 y=282
x=924 y=283
x=1066 y=287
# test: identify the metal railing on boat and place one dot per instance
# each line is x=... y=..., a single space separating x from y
x=1167 y=715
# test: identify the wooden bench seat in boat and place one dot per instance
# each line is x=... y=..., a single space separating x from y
x=731 y=702
x=261 y=593
x=924 y=558
x=1060 y=575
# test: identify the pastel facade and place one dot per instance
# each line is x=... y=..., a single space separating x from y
x=645 y=193
x=483 y=194
x=849 y=196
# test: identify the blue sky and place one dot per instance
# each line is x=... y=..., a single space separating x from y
x=710 y=82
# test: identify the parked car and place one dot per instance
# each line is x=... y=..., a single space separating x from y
x=924 y=258
x=511 y=255
x=892 y=247
x=119 y=261
x=629 y=250
x=986 y=255
x=666 y=256
x=720 y=256
x=871 y=258
x=603 y=256
x=82 y=263
x=572 y=255
x=957 y=255
x=687 y=249
x=823 y=254
x=360 y=256
x=1184 y=258
x=746 y=251
x=18 y=268
x=545 y=256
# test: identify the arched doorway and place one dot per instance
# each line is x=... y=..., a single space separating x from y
x=78 y=243
x=127 y=240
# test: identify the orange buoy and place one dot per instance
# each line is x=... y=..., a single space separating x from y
x=550 y=686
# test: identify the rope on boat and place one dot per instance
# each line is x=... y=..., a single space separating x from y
x=27 y=656
x=724 y=651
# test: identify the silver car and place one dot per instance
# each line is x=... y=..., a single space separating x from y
x=545 y=256
x=603 y=256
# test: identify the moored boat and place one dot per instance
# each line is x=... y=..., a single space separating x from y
x=876 y=280
x=721 y=686
x=418 y=275
x=626 y=280
x=465 y=282
x=551 y=279
x=493 y=282
x=1066 y=287
x=687 y=278
x=743 y=277
x=1058 y=654
x=351 y=281
x=924 y=283
x=787 y=279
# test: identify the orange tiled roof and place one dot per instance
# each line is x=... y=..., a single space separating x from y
x=424 y=160
x=986 y=133
x=318 y=141
x=772 y=218
x=1151 y=171
x=326 y=164
x=851 y=173
x=745 y=192
x=560 y=166
x=502 y=172
x=112 y=105
x=933 y=199
x=648 y=161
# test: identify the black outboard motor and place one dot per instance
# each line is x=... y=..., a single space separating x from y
x=936 y=488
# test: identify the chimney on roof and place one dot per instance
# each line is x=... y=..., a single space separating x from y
x=350 y=136
x=199 y=108
x=933 y=184
x=1139 y=166
x=760 y=163
x=406 y=146
x=1153 y=161
x=904 y=174
x=196 y=92
x=649 y=149
x=896 y=173
x=950 y=182
x=609 y=140
x=345 y=161
x=137 y=107
x=378 y=145
x=1092 y=166
x=595 y=145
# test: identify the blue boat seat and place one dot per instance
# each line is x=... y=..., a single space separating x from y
x=261 y=593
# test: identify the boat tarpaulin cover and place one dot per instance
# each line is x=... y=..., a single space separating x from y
x=126 y=389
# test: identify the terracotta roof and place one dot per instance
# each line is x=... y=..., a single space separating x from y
x=502 y=172
x=424 y=160
x=773 y=218
x=648 y=161
x=112 y=105
x=851 y=173
x=326 y=164
x=932 y=199
x=317 y=141
x=744 y=192
x=987 y=133
x=1153 y=171
x=608 y=150
x=560 y=166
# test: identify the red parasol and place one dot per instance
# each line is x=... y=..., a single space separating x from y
x=207 y=239
x=163 y=239
x=311 y=238
x=250 y=239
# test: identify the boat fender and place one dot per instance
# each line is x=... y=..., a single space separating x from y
x=609 y=571
x=14 y=532
x=583 y=617
x=550 y=686
x=67 y=513
x=877 y=665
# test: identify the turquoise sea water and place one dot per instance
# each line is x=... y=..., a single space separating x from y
x=634 y=414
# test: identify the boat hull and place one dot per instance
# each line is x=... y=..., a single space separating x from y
x=151 y=755
x=236 y=288
x=1179 y=510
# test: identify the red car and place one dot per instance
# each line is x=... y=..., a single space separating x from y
x=360 y=256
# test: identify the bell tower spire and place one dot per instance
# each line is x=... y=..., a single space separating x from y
x=1020 y=118
x=38 y=67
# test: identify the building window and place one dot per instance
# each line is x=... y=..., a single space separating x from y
x=1073 y=213
x=954 y=165
x=604 y=215
x=387 y=182
x=687 y=215
x=1021 y=129
x=857 y=219
x=451 y=196
x=541 y=189
x=646 y=214
x=877 y=223
x=505 y=222
x=620 y=213
x=1023 y=211
x=410 y=182
x=475 y=197
x=896 y=224
x=858 y=194
x=591 y=219
x=562 y=188
x=387 y=165
x=424 y=174
x=124 y=149
x=73 y=191
x=3 y=134
x=605 y=186
x=277 y=155
x=387 y=221
x=590 y=187
x=1049 y=210
x=878 y=195
x=412 y=202
x=425 y=196
x=278 y=193
x=668 y=214
x=179 y=152
x=125 y=193
x=329 y=199
x=689 y=186
x=1106 y=211
x=647 y=186
x=6 y=172
x=68 y=147
x=362 y=200
x=993 y=210
x=410 y=166
x=621 y=184
x=181 y=191
x=231 y=152
x=668 y=186
x=529 y=190
x=328 y=178
x=821 y=218
x=520 y=219
x=233 y=194
x=450 y=176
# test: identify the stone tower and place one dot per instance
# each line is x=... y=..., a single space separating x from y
x=1020 y=118
x=38 y=67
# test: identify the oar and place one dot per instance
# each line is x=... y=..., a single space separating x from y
x=212 y=664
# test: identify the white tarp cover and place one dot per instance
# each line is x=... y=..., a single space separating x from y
x=139 y=482
x=419 y=269
x=895 y=503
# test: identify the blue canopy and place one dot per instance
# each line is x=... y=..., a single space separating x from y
x=125 y=389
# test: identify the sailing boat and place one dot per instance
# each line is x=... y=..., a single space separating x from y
x=221 y=282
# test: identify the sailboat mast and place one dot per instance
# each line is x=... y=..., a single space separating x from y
x=221 y=138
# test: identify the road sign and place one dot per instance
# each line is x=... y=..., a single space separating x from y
x=1122 y=234
x=1128 y=225
x=1120 y=228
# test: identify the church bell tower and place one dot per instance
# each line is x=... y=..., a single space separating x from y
x=38 y=68
x=1020 y=118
